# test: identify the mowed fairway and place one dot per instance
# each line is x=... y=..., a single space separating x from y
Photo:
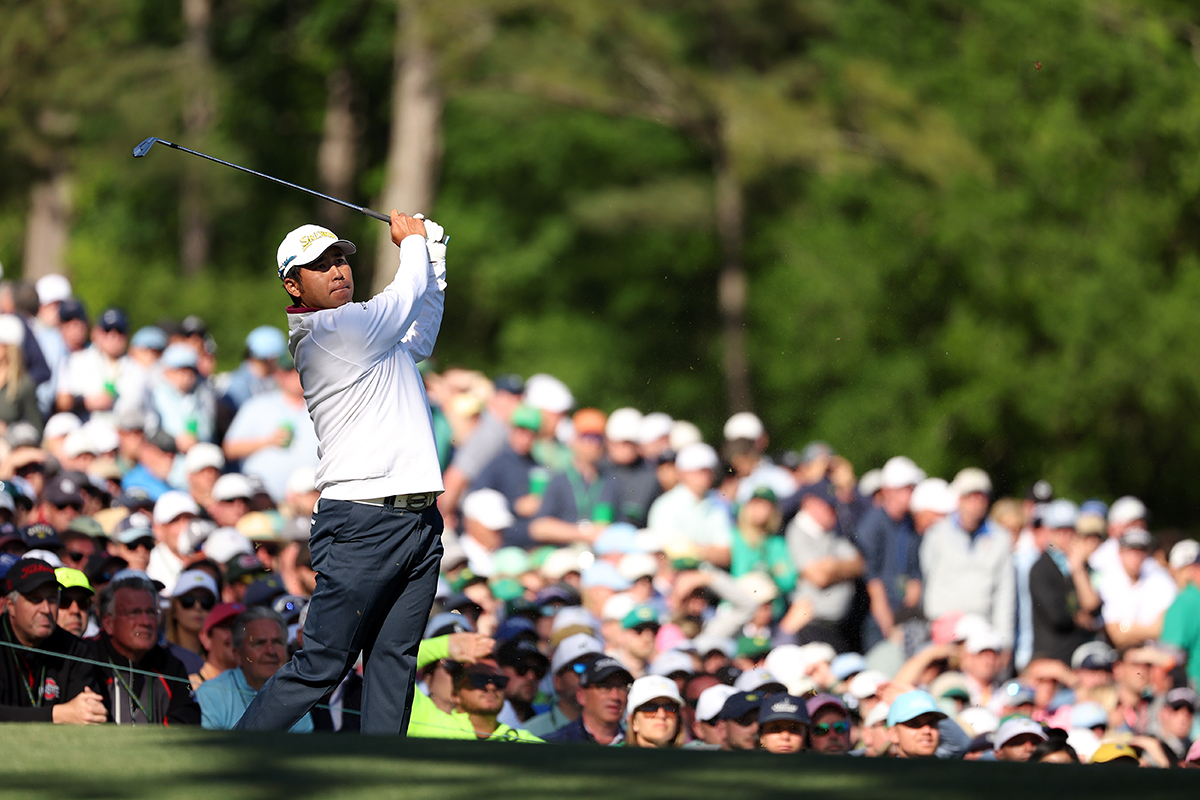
x=57 y=763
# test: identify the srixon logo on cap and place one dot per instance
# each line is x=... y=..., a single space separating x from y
x=784 y=707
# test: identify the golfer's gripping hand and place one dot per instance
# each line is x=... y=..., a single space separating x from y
x=403 y=225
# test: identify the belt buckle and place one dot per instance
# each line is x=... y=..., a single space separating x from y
x=417 y=502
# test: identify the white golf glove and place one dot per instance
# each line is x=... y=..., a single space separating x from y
x=433 y=231
x=435 y=243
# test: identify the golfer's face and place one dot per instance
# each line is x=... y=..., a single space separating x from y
x=327 y=282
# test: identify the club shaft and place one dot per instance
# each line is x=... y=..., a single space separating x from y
x=360 y=209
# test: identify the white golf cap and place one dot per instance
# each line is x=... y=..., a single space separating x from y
x=575 y=646
x=302 y=480
x=682 y=434
x=934 y=494
x=617 y=607
x=758 y=586
x=899 y=472
x=203 y=455
x=12 y=330
x=1125 y=510
x=547 y=393
x=711 y=701
x=650 y=688
x=1185 y=552
x=52 y=289
x=870 y=482
x=77 y=443
x=624 y=425
x=707 y=643
x=103 y=433
x=979 y=719
x=751 y=679
x=970 y=481
x=637 y=565
x=560 y=562
x=194 y=579
x=866 y=683
x=224 y=544
x=877 y=715
x=60 y=425
x=233 y=486
x=305 y=245
x=572 y=616
x=696 y=457
x=743 y=425
x=654 y=426
x=489 y=508
x=980 y=640
x=172 y=504
x=671 y=662
x=1017 y=726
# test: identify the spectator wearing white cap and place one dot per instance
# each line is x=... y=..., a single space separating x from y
x=654 y=435
x=745 y=446
x=635 y=482
x=932 y=501
x=1125 y=513
x=203 y=465
x=1135 y=598
x=1017 y=738
x=566 y=666
x=193 y=596
x=966 y=560
x=710 y=734
x=184 y=401
x=486 y=519
x=981 y=663
x=1064 y=606
x=301 y=494
x=272 y=433
x=231 y=496
x=172 y=513
x=693 y=512
x=550 y=396
x=652 y=716
x=889 y=545
x=52 y=290
x=1181 y=623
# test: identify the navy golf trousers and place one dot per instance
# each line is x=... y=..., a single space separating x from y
x=377 y=571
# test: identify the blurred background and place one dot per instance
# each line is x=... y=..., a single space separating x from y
x=963 y=231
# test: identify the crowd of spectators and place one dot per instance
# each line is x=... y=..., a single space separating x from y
x=608 y=579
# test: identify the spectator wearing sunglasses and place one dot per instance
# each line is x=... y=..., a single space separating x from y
x=74 y=601
x=783 y=724
x=77 y=546
x=653 y=713
x=194 y=595
x=738 y=720
x=524 y=665
x=830 y=729
x=479 y=697
x=566 y=666
x=132 y=540
x=260 y=644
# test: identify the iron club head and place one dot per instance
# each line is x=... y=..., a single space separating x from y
x=144 y=147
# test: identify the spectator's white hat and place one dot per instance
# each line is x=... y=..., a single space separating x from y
x=971 y=480
x=172 y=504
x=934 y=494
x=711 y=700
x=671 y=662
x=52 y=289
x=1017 y=726
x=302 y=480
x=617 y=607
x=751 y=679
x=1125 y=510
x=743 y=425
x=547 y=393
x=682 y=434
x=899 y=472
x=634 y=566
x=224 y=544
x=572 y=616
x=1060 y=513
x=866 y=683
x=305 y=245
x=60 y=425
x=233 y=486
x=103 y=434
x=650 y=688
x=877 y=715
x=707 y=643
x=979 y=720
x=78 y=442
x=12 y=330
x=696 y=457
x=561 y=562
x=654 y=426
x=981 y=640
x=194 y=579
x=203 y=455
x=870 y=482
x=489 y=508
x=573 y=647
x=1185 y=552
x=623 y=425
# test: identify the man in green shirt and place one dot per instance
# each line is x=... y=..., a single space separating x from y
x=1181 y=624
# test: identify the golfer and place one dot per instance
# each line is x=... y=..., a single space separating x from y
x=376 y=534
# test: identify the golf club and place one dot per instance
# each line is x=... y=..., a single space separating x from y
x=146 y=144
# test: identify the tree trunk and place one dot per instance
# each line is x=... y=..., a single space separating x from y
x=199 y=102
x=49 y=224
x=415 y=145
x=731 y=283
x=335 y=159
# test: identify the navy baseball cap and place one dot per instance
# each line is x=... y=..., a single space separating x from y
x=71 y=309
x=740 y=704
x=113 y=319
x=783 y=706
x=602 y=668
x=41 y=535
x=263 y=591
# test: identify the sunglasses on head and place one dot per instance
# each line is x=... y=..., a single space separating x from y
x=824 y=728
x=188 y=601
x=481 y=680
x=670 y=706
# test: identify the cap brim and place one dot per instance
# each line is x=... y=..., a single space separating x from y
x=347 y=246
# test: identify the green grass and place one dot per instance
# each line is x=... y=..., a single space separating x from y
x=57 y=763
